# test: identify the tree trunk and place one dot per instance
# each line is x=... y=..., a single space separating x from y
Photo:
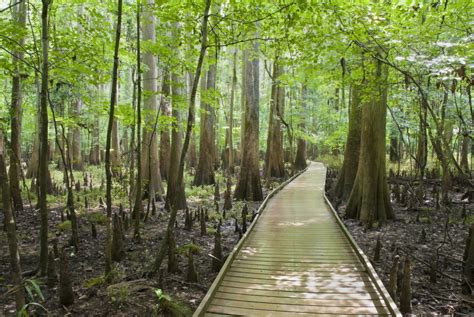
x=468 y=266
x=43 y=146
x=15 y=266
x=115 y=155
x=191 y=156
x=274 y=164
x=19 y=15
x=165 y=139
x=175 y=195
x=242 y=105
x=394 y=146
x=465 y=150
x=138 y=207
x=346 y=179
x=150 y=161
x=230 y=138
x=108 y=146
x=249 y=186
x=300 y=158
x=75 y=140
x=94 y=157
x=422 y=150
x=369 y=201
x=205 y=169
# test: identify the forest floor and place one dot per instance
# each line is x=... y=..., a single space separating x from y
x=434 y=239
x=130 y=291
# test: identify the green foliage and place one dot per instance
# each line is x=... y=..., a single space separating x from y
x=33 y=290
x=65 y=225
x=200 y=192
x=95 y=281
x=97 y=217
x=118 y=295
x=170 y=306
x=184 y=249
x=24 y=310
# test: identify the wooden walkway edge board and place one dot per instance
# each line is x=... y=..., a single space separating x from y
x=365 y=260
x=297 y=258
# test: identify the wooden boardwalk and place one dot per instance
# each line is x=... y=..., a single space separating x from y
x=297 y=260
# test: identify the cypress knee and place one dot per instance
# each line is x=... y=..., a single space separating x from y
x=191 y=275
x=217 y=252
x=392 y=283
x=66 y=295
x=468 y=267
x=227 y=195
x=203 y=223
x=117 y=239
x=52 y=277
x=172 y=260
x=378 y=248
x=244 y=218
x=405 y=292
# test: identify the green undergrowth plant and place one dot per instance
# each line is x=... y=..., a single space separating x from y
x=35 y=296
x=200 y=192
x=331 y=161
x=189 y=246
x=119 y=295
x=170 y=306
x=116 y=275
x=97 y=217
x=65 y=226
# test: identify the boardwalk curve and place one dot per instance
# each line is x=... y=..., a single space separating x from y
x=298 y=260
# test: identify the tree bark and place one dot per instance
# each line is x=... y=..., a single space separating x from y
x=19 y=16
x=191 y=155
x=150 y=160
x=422 y=150
x=138 y=207
x=242 y=105
x=230 y=138
x=465 y=150
x=205 y=168
x=15 y=265
x=165 y=138
x=75 y=137
x=249 y=186
x=369 y=200
x=43 y=146
x=175 y=195
x=468 y=265
x=115 y=155
x=346 y=179
x=94 y=156
x=274 y=164
x=394 y=146
x=300 y=158
x=108 y=146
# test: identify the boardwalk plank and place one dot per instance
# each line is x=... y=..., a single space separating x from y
x=302 y=301
x=297 y=260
